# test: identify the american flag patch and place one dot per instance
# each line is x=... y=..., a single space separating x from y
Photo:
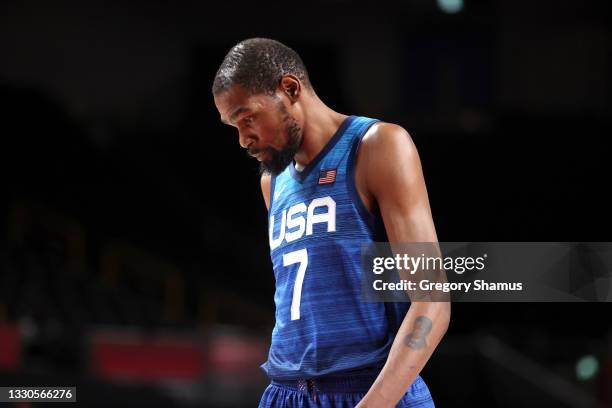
x=327 y=176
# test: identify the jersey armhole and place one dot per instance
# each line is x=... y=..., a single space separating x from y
x=272 y=184
x=367 y=216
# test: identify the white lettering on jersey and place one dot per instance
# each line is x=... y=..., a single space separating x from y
x=295 y=222
x=276 y=242
x=294 y=218
x=329 y=217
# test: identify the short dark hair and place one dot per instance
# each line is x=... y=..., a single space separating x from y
x=257 y=64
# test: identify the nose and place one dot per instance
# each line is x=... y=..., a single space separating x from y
x=244 y=138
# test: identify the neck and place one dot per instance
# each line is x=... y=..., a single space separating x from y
x=319 y=125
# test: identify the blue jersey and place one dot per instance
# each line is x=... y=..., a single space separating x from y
x=317 y=225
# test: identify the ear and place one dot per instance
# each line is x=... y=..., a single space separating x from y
x=291 y=87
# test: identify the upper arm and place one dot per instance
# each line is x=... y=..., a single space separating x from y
x=265 y=188
x=394 y=178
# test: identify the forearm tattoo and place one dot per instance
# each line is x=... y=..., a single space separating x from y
x=420 y=330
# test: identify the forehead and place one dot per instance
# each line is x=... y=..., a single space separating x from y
x=235 y=100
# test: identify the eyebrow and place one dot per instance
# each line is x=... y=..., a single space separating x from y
x=235 y=114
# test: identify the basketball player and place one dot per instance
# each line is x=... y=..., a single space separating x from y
x=331 y=182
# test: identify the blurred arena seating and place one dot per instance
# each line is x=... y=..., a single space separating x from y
x=122 y=325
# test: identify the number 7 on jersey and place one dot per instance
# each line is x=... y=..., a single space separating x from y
x=301 y=257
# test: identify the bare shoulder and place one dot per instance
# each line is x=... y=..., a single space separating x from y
x=386 y=158
x=385 y=134
x=386 y=142
x=266 y=181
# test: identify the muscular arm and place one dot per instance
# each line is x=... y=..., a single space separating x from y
x=390 y=170
x=265 y=188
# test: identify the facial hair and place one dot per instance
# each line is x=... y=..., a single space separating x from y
x=280 y=159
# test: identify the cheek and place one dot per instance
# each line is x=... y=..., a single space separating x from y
x=272 y=135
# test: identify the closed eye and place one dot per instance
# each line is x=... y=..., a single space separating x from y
x=248 y=120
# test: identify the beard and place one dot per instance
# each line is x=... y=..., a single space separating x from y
x=280 y=159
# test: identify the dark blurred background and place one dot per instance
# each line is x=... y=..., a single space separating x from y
x=134 y=261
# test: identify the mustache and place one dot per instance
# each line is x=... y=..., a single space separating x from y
x=251 y=151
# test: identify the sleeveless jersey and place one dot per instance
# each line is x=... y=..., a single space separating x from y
x=317 y=225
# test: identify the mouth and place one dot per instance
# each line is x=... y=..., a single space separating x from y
x=257 y=154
